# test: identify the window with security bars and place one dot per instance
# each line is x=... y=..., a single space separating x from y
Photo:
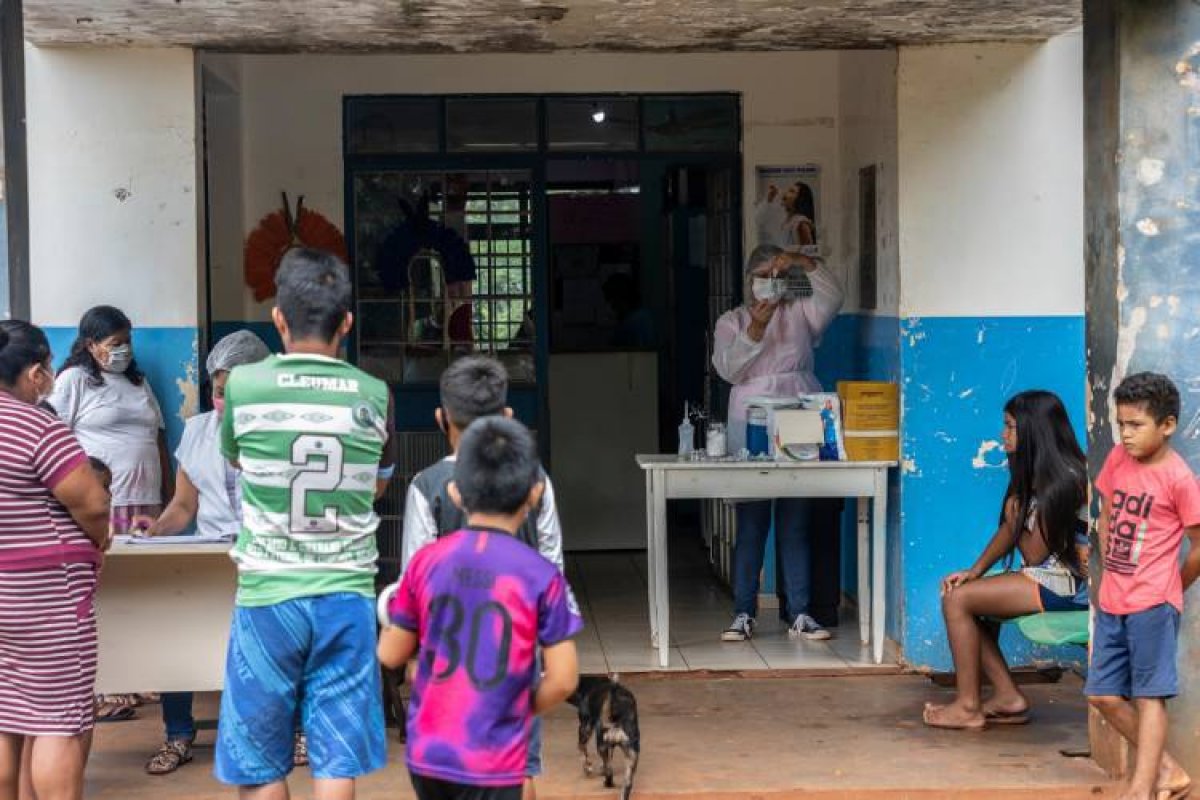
x=443 y=265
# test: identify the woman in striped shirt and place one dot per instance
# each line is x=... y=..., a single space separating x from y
x=53 y=528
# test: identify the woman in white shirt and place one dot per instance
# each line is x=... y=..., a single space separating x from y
x=206 y=490
x=107 y=402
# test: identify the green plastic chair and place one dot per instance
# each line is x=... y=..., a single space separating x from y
x=1055 y=627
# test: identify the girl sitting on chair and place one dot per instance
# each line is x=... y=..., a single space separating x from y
x=1044 y=518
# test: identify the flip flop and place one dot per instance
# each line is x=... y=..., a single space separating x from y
x=998 y=717
x=1178 y=792
x=1173 y=794
x=115 y=713
x=952 y=726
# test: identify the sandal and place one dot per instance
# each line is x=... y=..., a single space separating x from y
x=997 y=717
x=172 y=755
x=300 y=751
x=1179 y=790
x=116 y=707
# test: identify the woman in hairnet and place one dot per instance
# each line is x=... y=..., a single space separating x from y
x=206 y=490
x=765 y=347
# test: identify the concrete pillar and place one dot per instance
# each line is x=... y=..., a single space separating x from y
x=114 y=204
x=1142 y=89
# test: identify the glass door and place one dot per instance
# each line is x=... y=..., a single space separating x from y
x=442 y=267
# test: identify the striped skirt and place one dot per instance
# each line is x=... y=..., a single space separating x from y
x=47 y=650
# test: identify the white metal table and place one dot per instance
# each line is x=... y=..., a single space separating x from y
x=668 y=478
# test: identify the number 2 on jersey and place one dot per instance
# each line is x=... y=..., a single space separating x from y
x=318 y=462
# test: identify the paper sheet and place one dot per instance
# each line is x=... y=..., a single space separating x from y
x=159 y=541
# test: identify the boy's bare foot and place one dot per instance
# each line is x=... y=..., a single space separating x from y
x=953 y=717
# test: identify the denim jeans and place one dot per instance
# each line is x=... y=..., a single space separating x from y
x=177 y=715
x=791 y=533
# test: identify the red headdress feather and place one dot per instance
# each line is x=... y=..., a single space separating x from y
x=279 y=232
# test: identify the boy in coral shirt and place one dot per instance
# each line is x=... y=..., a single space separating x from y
x=1150 y=501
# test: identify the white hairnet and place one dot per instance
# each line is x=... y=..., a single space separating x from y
x=242 y=347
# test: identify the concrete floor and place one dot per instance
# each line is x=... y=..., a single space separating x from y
x=729 y=736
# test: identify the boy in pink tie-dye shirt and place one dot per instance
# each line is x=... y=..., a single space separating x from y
x=476 y=604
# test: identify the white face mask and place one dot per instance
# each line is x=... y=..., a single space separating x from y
x=769 y=289
x=119 y=359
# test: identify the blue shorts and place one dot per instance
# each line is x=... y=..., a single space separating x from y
x=1133 y=655
x=312 y=655
x=533 y=756
x=1057 y=602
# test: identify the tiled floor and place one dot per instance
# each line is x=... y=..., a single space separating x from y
x=611 y=588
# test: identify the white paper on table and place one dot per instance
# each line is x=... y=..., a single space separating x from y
x=186 y=539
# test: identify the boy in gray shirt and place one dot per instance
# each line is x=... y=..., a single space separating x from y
x=474 y=387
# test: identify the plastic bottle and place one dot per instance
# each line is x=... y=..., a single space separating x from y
x=687 y=435
x=829 y=449
x=756 y=431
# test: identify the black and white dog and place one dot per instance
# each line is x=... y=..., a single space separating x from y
x=608 y=711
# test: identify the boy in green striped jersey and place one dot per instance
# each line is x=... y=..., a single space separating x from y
x=311 y=435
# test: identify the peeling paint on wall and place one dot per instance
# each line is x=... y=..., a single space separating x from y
x=1150 y=171
x=1147 y=227
x=1127 y=337
x=990 y=455
x=189 y=384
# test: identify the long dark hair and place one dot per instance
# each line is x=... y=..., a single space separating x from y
x=98 y=324
x=804 y=204
x=22 y=345
x=1048 y=466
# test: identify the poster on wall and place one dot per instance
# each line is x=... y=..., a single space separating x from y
x=785 y=207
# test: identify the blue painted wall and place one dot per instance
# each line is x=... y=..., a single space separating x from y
x=864 y=347
x=859 y=346
x=958 y=373
x=168 y=357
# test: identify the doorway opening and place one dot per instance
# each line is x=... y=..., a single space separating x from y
x=587 y=242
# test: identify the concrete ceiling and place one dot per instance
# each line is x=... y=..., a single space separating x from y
x=425 y=26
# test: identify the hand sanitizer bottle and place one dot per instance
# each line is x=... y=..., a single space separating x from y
x=687 y=435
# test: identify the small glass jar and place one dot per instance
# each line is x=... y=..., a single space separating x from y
x=714 y=443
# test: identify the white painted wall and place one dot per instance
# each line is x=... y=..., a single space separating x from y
x=113 y=199
x=292 y=114
x=991 y=179
x=866 y=136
